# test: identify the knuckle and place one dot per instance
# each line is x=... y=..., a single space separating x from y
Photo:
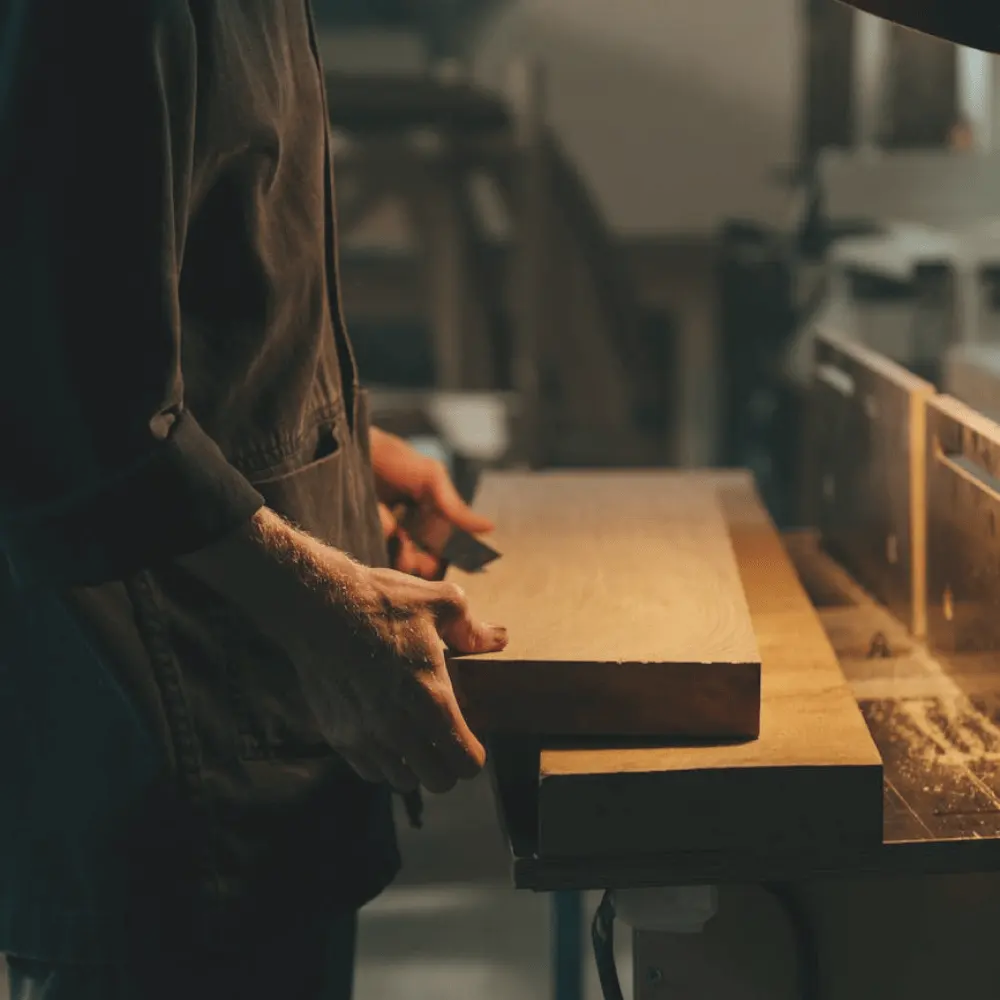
x=453 y=595
x=419 y=661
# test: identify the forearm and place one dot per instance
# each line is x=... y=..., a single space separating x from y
x=283 y=579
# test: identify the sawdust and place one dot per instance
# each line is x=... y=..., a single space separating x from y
x=955 y=732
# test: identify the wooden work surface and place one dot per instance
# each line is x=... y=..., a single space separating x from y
x=812 y=781
x=935 y=721
x=625 y=607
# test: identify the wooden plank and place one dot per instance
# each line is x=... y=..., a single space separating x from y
x=867 y=481
x=923 y=799
x=811 y=782
x=625 y=609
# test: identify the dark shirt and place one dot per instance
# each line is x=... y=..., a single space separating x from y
x=164 y=271
x=172 y=356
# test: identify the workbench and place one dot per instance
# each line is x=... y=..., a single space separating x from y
x=934 y=721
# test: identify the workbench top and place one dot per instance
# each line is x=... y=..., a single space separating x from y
x=934 y=721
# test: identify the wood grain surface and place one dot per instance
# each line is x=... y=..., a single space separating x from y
x=625 y=609
x=935 y=720
x=812 y=781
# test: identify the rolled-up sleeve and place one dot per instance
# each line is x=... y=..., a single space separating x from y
x=102 y=469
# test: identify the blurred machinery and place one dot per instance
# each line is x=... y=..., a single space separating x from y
x=511 y=285
x=479 y=275
x=485 y=291
x=895 y=244
x=444 y=27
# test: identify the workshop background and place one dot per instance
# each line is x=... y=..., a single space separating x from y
x=595 y=233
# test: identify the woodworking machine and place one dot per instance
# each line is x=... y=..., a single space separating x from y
x=902 y=567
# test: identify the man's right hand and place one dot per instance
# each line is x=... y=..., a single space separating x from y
x=369 y=647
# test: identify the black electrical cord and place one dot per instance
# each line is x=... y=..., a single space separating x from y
x=602 y=933
x=806 y=948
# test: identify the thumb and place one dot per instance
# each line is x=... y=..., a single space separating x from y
x=453 y=508
x=461 y=632
x=389 y=524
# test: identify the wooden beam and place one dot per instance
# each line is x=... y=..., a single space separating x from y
x=811 y=782
x=625 y=609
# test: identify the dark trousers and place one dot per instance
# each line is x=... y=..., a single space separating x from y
x=311 y=963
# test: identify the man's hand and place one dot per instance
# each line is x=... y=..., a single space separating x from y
x=402 y=474
x=396 y=718
x=369 y=647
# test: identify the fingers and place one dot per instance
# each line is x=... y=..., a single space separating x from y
x=461 y=632
x=449 y=607
x=404 y=555
x=436 y=773
x=438 y=716
x=379 y=764
x=408 y=558
x=389 y=524
x=431 y=734
x=451 y=505
x=363 y=764
x=419 y=760
x=414 y=730
x=398 y=772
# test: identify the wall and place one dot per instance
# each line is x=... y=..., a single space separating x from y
x=677 y=111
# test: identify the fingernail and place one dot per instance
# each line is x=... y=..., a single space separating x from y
x=499 y=633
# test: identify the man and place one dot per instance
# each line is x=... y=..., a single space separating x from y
x=207 y=682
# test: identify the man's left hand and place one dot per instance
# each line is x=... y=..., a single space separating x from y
x=404 y=475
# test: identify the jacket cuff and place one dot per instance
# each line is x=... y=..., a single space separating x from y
x=181 y=498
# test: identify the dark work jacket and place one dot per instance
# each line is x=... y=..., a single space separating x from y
x=172 y=356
